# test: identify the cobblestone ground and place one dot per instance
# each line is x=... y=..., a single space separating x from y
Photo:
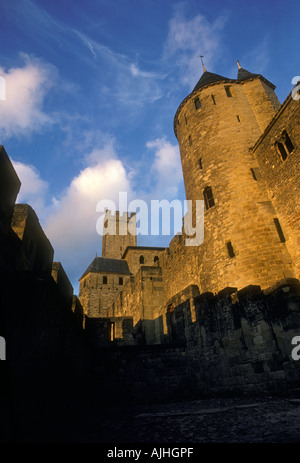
x=268 y=420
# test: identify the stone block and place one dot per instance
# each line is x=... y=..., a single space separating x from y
x=9 y=186
x=36 y=253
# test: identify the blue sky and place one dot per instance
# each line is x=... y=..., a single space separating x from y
x=92 y=89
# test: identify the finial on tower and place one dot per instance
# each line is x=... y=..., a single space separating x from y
x=238 y=63
x=201 y=57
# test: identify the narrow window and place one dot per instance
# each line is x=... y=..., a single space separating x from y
x=190 y=140
x=84 y=283
x=156 y=259
x=197 y=103
x=185 y=120
x=104 y=280
x=200 y=163
x=279 y=230
x=213 y=98
x=238 y=118
x=288 y=142
x=142 y=260
x=230 y=249
x=208 y=197
x=253 y=174
x=228 y=92
x=112 y=331
x=281 y=150
x=120 y=281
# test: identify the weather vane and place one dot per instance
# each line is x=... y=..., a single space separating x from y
x=201 y=57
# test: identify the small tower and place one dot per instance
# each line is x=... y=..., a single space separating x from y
x=216 y=125
x=119 y=232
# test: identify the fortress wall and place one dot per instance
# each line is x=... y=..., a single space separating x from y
x=281 y=177
x=36 y=253
x=141 y=296
x=117 y=234
x=47 y=356
x=133 y=256
x=179 y=267
x=46 y=352
x=241 y=341
x=97 y=297
x=60 y=277
x=237 y=343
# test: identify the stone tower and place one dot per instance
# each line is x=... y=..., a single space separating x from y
x=119 y=232
x=216 y=126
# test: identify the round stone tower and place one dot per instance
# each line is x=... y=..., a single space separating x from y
x=216 y=125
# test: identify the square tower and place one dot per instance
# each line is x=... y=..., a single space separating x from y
x=119 y=231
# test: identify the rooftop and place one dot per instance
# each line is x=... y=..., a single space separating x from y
x=107 y=265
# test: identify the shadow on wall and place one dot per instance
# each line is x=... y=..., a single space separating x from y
x=233 y=342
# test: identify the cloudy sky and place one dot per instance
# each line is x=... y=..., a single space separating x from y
x=92 y=88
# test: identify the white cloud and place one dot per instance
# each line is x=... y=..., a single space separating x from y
x=123 y=80
x=33 y=189
x=71 y=226
x=26 y=87
x=190 y=38
x=70 y=220
x=166 y=167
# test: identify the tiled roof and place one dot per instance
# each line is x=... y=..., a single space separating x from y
x=106 y=265
x=209 y=78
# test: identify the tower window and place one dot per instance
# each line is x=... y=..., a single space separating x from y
x=142 y=260
x=238 y=118
x=120 y=281
x=208 y=197
x=104 y=280
x=281 y=150
x=228 y=91
x=200 y=163
x=190 y=140
x=284 y=145
x=279 y=230
x=213 y=98
x=197 y=103
x=288 y=142
x=156 y=259
x=230 y=249
x=185 y=118
x=253 y=174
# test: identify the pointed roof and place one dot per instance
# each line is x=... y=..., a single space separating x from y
x=208 y=78
x=107 y=265
x=243 y=74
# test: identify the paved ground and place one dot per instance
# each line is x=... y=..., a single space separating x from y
x=266 y=420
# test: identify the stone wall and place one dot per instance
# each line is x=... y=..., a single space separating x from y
x=241 y=341
x=233 y=343
x=47 y=356
x=60 y=277
x=281 y=177
x=36 y=253
x=119 y=232
x=141 y=374
x=142 y=255
x=141 y=296
x=96 y=296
